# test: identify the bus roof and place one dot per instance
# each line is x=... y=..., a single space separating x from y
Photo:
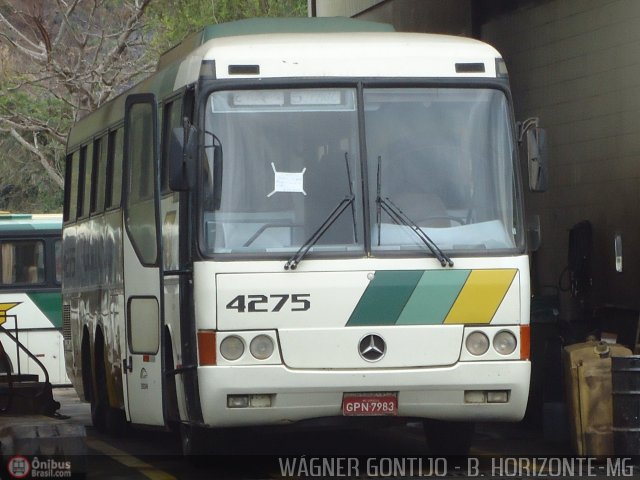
x=359 y=54
x=299 y=48
x=164 y=81
x=24 y=222
x=260 y=26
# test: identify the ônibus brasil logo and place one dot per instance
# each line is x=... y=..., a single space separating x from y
x=18 y=467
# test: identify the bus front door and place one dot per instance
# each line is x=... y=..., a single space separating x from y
x=142 y=264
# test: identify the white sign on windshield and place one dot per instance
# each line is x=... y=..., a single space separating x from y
x=292 y=182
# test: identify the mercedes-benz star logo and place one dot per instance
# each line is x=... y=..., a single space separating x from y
x=372 y=347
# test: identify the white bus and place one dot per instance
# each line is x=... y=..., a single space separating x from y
x=30 y=300
x=296 y=219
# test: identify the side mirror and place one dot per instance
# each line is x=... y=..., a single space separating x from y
x=534 y=233
x=535 y=143
x=182 y=153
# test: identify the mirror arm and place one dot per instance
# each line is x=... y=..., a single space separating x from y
x=527 y=125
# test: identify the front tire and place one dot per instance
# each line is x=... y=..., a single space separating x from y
x=116 y=422
x=173 y=413
x=195 y=447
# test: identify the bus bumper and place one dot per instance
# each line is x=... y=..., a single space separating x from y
x=304 y=394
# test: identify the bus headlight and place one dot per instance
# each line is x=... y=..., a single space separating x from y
x=261 y=347
x=477 y=343
x=232 y=348
x=505 y=342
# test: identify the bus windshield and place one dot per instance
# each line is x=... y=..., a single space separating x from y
x=289 y=157
x=442 y=157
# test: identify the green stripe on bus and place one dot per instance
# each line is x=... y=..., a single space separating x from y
x=385 y=297
x=49 y=303
x=433 y=297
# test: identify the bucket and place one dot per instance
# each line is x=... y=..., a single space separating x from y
x=626 y=404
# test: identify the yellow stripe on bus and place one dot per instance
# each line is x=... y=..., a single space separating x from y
x=4 y=308
x=481 y=296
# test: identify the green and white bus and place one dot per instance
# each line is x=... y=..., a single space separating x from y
x=30 y=299
x=296 y=219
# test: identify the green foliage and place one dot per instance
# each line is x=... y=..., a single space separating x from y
x=23 y=186
x=44 y=99
x=173 y=20
x=44 y=108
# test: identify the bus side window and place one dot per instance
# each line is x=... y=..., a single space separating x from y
x=113 y=192
x=22 y=262
x=140 y=144
x=140 y=150
x=81 y=171
x=57 y=246
x=171 y=118
x=88 y=177
x=84 y=190
x=71 y=187
x=6 y=255
x=99 y=175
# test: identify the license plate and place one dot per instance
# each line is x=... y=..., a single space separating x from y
x=370 y=404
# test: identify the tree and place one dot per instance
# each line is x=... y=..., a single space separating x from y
x=24 y=186
x=173 y=20
x=60 y=60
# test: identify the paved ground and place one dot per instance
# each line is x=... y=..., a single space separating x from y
x=156 y=455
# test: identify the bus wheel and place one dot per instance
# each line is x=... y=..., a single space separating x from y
x=100 y=400
x=98 y=414
x=173 y=414
x=5 y=364
x=194 y=443
x=448 y=438
x=116 y=422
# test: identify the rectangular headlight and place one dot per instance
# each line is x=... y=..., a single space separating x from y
x=237 y=401
x=475 y=396
x=498 y=396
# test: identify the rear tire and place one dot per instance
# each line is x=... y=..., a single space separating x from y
x=98 y=416
x=448 y=437
x=100 y=398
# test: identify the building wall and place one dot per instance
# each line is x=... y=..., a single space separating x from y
x=576 y=65
x=342 y=8
x=433 y=16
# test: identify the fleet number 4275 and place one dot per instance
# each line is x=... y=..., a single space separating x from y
x=296 y=302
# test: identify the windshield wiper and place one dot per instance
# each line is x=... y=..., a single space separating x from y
x=293 y=262
x=400 y=218
x=353 y=204
x=217 y=169
x=378 y=198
